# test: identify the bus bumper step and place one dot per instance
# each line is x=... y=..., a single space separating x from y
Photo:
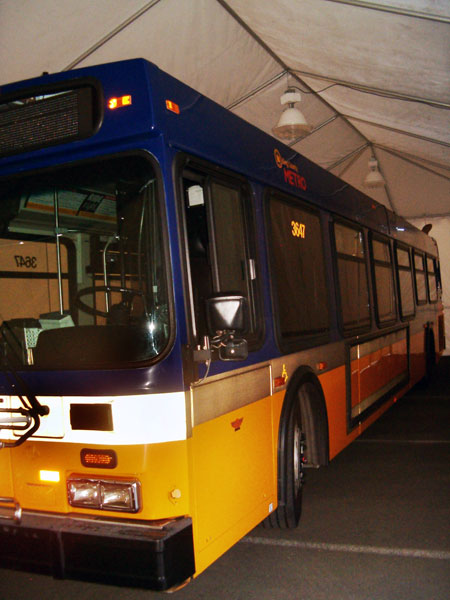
x=125 y=554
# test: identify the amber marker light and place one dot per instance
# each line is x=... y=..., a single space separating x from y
x=102 y=459
x=51 y=476
x=173 y=107
x=114 y=103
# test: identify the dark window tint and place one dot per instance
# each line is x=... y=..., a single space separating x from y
x=230 y=239
x=220 y=243
x=298 y=270
x=419 y=272
x=405 y=282
x=354 y=294
x=432 y=284
x=384 y=282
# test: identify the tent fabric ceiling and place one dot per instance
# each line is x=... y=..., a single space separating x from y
x=374 y=74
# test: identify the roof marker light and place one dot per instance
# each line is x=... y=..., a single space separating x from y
x=173 y=107
x=118 y=102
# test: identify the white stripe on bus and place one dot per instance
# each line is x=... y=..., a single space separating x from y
x=138 y=419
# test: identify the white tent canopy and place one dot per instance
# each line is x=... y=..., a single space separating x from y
x=374 y=75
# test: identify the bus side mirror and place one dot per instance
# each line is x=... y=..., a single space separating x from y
x=227 y=319
x=226 y=312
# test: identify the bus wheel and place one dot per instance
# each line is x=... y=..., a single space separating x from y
x=290 y=479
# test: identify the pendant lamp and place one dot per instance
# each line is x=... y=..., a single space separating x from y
x=292 y=123
x=374 y=179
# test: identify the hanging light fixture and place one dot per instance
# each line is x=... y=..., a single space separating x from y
x=292 y=123
x=374 y=179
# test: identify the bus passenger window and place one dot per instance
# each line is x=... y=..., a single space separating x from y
x=384 y=283
x=199 y=251
x=230 y=243
x=220 y=245
x=352 y=274
x=405 y=282
x=298 y=270
x=419 y=271
x=432 y=284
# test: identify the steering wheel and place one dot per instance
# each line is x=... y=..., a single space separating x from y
x=90 y=310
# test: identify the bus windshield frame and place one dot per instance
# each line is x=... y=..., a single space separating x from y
x=83 y=266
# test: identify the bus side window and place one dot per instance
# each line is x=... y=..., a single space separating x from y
x=218 y=240
x=432 y=280
x=352 y=274
x=405 y=282
x=230 y=240
x=384 y=281
x=199 y=251
x=419 y=272
x=298 y=271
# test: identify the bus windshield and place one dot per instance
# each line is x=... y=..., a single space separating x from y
x=82 y=267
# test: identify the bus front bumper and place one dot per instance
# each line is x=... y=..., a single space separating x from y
x=133 y=554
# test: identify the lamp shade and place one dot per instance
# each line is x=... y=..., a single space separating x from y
x=292 y=124
x=374 y=179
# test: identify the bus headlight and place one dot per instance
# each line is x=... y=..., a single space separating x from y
x=104 y=494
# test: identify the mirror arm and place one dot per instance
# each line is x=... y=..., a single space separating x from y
x=203 y=354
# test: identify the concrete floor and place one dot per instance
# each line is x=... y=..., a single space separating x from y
x=375 y=525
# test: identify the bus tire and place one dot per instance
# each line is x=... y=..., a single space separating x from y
x=290 y=480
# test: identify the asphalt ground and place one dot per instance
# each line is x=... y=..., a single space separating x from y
x=375 y=525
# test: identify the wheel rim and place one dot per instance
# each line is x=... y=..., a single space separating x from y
x=297 y=458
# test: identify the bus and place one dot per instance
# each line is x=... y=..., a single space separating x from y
x=191 y=313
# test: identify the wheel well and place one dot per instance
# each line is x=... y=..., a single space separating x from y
x=313 y=412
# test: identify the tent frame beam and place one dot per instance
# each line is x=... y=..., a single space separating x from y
x=316 y=128
x=416 y=14
x=354 y=152
x=256 y=90
x=111 y=34
x=368 y=89
x=411 y=162
x=399 y=131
